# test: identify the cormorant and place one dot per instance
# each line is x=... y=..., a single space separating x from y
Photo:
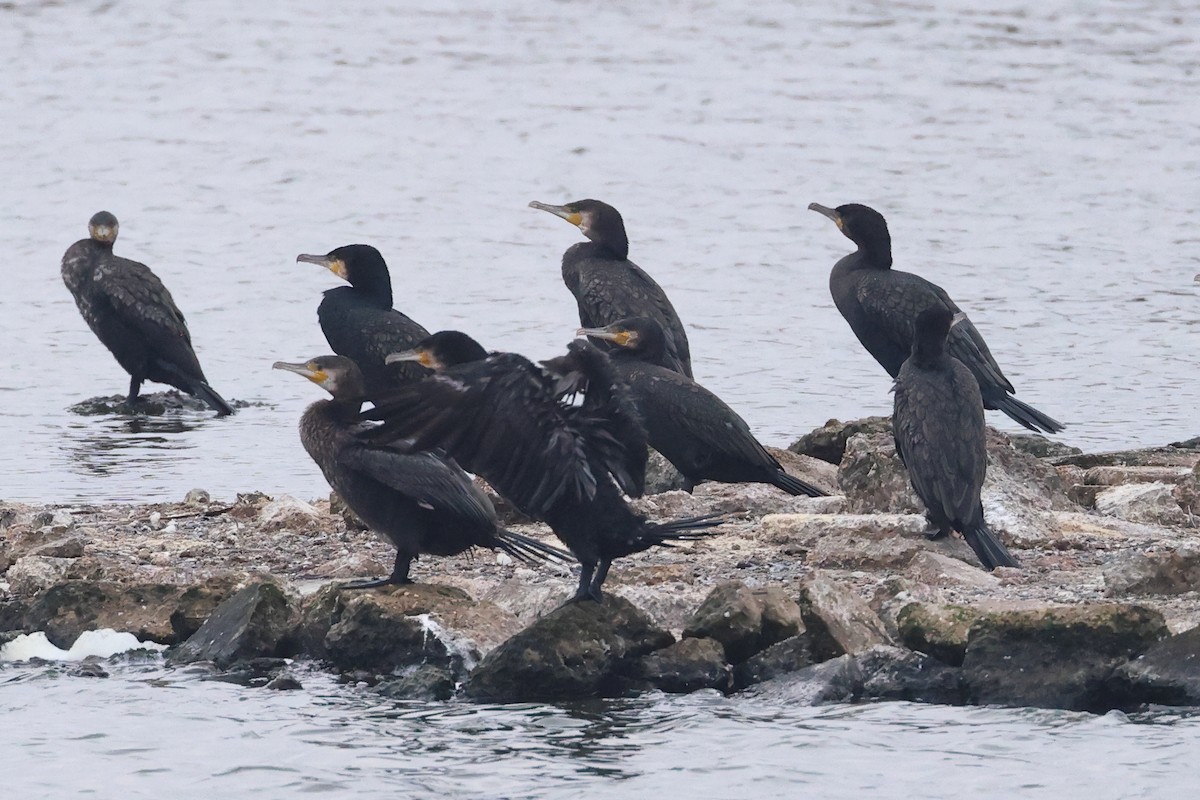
x=940 y=437
x=358 y=320
x=132 y=313
x=608 y=286
x=880 y=303
x=498 y=415
x=421 y=501
x=693 y=428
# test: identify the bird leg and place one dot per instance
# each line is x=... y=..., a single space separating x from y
x=598 y=580
x=398 y=577
x=587 y=569
x=936 y=531
x=135 y=386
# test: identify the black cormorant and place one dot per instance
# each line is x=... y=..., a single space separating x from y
x=940 y=437
x=880 y=303
x=693 y=428
x=421 y=501
x=358 y=320
x=608 y=286
x=499 y=416
x=132 y=313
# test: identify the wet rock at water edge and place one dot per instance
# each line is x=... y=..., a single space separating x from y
x=940 y=631
x=837 y=619
x=1166 y=674
x=578 y=650
x=251 y=624
x=147 y=610
x=419 y=682
x=828 y=443
x=745 y=620
x=256 y=672
x=893 y=673
x=284 y=683
x=1162 y=572
x=838 y=680
x=1059 y=657
x=790 y=655
x=686 y=666
x=1039 y=446
x=149 y=404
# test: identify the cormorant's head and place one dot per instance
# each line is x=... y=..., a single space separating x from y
x=337 y=375
x=360 y=265
x=103 y=227
x=862 y=225
x=442 y=349
x=636 y=334
x=599 y=222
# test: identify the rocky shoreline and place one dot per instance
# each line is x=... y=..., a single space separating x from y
x=809 y=600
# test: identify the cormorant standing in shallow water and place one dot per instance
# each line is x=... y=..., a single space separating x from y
x=421 y=501
x=880 y=303
x=608 y=286
x=498 y=415
x=940 y=437
x=693 y=429
x=358 y=320
x=132 y=313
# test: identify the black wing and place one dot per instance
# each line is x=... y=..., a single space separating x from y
x=426 y=477
x=499 y=419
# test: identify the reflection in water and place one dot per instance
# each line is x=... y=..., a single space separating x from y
x=119 y=445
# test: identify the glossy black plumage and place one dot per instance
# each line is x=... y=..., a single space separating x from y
x=940 y=436
x=693 y=428
x=421 y=501
x=358 y=320
x=608 y=286
x=881 y=303
x=500 y=418
x=132 y=313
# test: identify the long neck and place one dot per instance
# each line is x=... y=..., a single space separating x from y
x=377 y=287
x=929 y=350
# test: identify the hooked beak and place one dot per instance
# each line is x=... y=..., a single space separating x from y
x=104 y=233
x=314 y=375
x=621 y=338
x=573 y=217
x=334 y=265
x=827 y=211
x=422 y=357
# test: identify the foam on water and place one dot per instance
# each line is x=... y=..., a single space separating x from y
x=101 y=643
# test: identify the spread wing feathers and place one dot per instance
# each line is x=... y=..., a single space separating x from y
x=426 y=477
x=893 y=299
x=938 y=429
x=607 y=292
x=498 y=418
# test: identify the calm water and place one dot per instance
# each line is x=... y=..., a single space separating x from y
x=1039 y=160
x=150 y=733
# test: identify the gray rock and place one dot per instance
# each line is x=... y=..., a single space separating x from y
x=61 y=547
x=373 y=635
x=893 y=673
x=1059 y=657
x=790 y=655
x=661 y=475
x=284 y=683
x=576 y=651
x=935 y=569
x=287 y=513
x=836 y=681
x=938 y=630
x=838 y=620
x=1146 y=457
x=1118 y=476
x=1163 y=572
x=197 y=497
x=873 y=478
x=1038 y=446
x=828 y=443
x=419 y=682
x=250 y=624
x=1152 y=503
x=1166 y=674
x=162 y=612
x=745 y=620
x=686 y=666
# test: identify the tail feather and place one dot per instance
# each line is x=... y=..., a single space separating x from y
x=528 y=549
x=991 y=551
x=1024 y=414
x=210 y=396
x=794 y=486
x=688 y=529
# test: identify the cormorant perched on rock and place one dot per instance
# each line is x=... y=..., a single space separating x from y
x=940 y=437
x=693 y=428
x=421 y=501
x=358 y=320
x=608 y=286
x=498 y=415
x=132 y=313
x=880 y=303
